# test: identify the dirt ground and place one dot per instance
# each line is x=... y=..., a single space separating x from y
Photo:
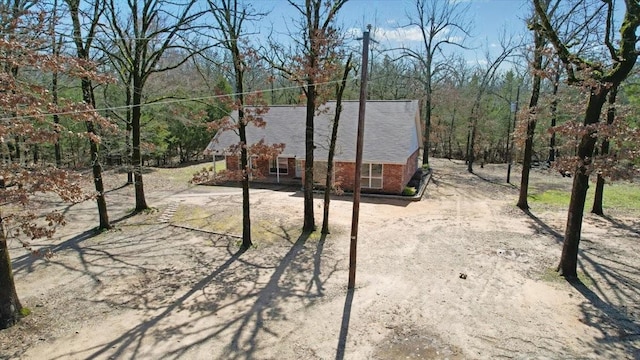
x=462 y=274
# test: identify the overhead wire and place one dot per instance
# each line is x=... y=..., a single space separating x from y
x=166 y=102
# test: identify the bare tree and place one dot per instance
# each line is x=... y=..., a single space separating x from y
x=536 y=69
x=136 y=41
x=484 y=78
x=312 y=61
x=230 y=16
x=441 y=23
x=83 y=47
x=599 y=77
x=579 y=33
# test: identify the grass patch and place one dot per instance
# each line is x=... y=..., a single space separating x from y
x=185 y=174
x=619 y=196
x=551 y=275
x=551 y=197
x=229 y=221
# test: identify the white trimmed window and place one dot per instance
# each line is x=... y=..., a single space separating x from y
x=371 y=176
x=279 y=165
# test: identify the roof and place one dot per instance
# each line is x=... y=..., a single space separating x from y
x=391 y=132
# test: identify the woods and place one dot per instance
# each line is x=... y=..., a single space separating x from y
x=89 y=87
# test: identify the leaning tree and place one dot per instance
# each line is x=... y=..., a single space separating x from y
x=598 y=77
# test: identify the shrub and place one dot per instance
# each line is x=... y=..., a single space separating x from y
x=409 y=191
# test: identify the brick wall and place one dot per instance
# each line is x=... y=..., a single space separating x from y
x=261 y=167
x=411 y=167
x=395 y=177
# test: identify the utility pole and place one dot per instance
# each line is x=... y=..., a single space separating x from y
x=358 y=172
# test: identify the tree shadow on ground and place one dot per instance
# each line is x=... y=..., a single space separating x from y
x=234 y=303
x=134 y=336
x=25 y=262
x=612 y=288
x=98 y=262
x=494 y=180
x=542 y=227
x=634 y=228
x=615 y=322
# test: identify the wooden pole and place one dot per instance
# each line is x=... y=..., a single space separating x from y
x=359 y=146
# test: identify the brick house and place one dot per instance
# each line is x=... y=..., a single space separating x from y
x=392 y=140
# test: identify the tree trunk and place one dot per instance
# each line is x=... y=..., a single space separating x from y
x=451 y=129
x=471 y=143
x=246 y=219
x=89 y=98
x=244 y=156
x=427 y=132
x=554 y=115
x=97 y=182
x=332 y=146
x=128 y=136
x=56 y=120
x=309 y=221
x=427 y=115
x=136 y=159
x=54 y=85
x=598 y=196
x=96 y=167
x=604 y=151
x=569 y=258
x=9 y=303
x=531 y=121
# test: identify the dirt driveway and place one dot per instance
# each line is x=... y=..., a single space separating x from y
x=462 y=274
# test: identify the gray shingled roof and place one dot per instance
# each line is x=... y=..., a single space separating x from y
x=391 y=131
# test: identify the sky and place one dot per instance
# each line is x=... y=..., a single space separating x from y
x=488 y=19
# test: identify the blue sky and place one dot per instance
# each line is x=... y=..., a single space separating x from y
x=488 y=17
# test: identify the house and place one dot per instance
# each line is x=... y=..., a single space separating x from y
x=392 y=140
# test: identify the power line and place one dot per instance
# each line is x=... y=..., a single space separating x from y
x=166 y=102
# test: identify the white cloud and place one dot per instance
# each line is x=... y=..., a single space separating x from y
x=401 y=35
x=405 y=34
x=411 y=33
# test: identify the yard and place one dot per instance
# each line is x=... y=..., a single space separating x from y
x=462 y=274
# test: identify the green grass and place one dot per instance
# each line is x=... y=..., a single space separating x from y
x=185 y=174
x=551 y=275
x=263 y=231
x=620 y=196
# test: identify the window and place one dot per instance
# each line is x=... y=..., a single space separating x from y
x=371 y=176
x=279 y=165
